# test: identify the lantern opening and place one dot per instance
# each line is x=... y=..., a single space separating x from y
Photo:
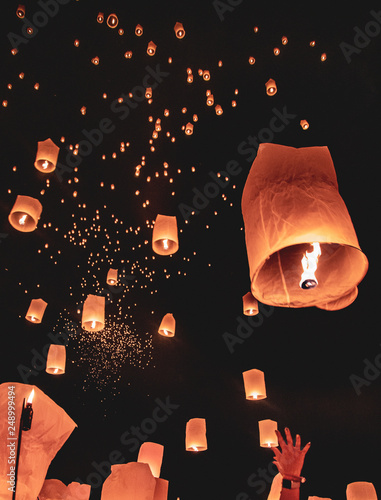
x=309 y=262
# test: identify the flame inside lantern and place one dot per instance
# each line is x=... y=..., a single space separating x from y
x=309 y=263
x=30 y=397
x=22 y=219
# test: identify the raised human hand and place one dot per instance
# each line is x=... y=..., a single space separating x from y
x=291 y=459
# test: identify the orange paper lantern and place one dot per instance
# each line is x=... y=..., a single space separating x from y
x=267 y=436
x=151 y=48
x=132 y=481
x=112 y=277
x=20 y=11
x=56 y=361
x=301 y=244
x=161 y=489
x=167 y=326
x=250 y=305
x=56 y=489
x=361 y=490
x=151 y=454
x=100 y=17
x=93 y=314
x=112 y=21
x=179 y=30
x=36 y=310
x=304 y=124
x=254 y=382
x=47 y=155
x=164 y=237
x=271 y=88
x=138 y=30
x=189 y=129
x=25 y=213
x=195 y=435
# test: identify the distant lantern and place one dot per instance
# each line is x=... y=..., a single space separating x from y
x=93 y=314
x=25 y=213
x=271 y=87
x=276 y=51
x=20 y=11
x=128 y=54
x=36 y=310
x=47 y=155
x=206 y=75
x=100 y=17
x=323 y=57
x=267 y=436
x=76 y=43
x=167 y=326
x=312 y=43
x=112 y=277
x=151 y=48
x=304 y=124
x=195 y=435
x=254 y=383
x=151 y=454
x=189 y=129
x=190 y=78
x=361 y=490
x=179 y=30
x=284 y=40
x=112 y=21
x=164 y=237
x=218 y=109
x=210 y=100
x=95 y=60
x=148 y=93
x=301 y=244
x=138 y=30
x=56 y=360
x=250 y=305
x=251 y=60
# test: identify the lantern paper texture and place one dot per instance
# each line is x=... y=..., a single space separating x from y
x=132 y=481
x=25 y=213
x=56 y=360
x=250 y=305
x=267 y=436
x=93 y=314
x=54 y=489
x=151 y=454
x=164 y=237
x=290 y=201
x=168 y=326
x=36 y=310
x=161 y=490
x=361 y=490
x=47 y=155
x=195 y=435
x=254 y=382
x=50 y=428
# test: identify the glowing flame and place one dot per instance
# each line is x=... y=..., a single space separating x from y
x=254 y=396
x=194 y=447
x=309 y=264
x=55 y=370
x=22 y=219
x=166 y=332
x=45 y=164
x=30 y=398
x=93 y=324
x=165 y=244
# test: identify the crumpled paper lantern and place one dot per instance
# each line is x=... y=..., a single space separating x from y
x=290 y=201
x=152 y=454
x=51 y=427
x=54 y=489
x=132 y=481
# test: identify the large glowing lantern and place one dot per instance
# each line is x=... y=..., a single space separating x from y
x=296 y=223
x=151 y=454
x=36 y=310
x=93 y=314
x=56 y=360
x=167 y=326
x=50 y=427
x=267 y=436
x=161 y=490
x=46 y=157
x=254 y=382
x=250 y=305
x=195 y=435
x=361 y=490
x=132 y=481
x=25 y=213
x=165 y=239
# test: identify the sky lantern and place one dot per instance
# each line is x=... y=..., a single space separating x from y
x=20 y=11
x=151 y=454
x=218 y=109
x=138 y=30
x=189 y=128
x=251 y=60
x=271 y=88
x=195 y=435
x=304 y=124
x=167 y=326
x=151 y=48
x=128 y=54
x=112 y=21
x=284 y=40
x=148 y=93
x=161 y=489
x=47 y=155
x=54 y=488
x=45 y=426
x=93 y=314
x=254 y=382
x=179 y=30
x=56 y=360
x=250 y=305
x=267 y=436
x=36 y=310
x=25 y=213
x=100 y=17
x=112 y=277
x=361 y=490
x=206 y=75
x=301 y=244
x=131 y=481
x=164 y=237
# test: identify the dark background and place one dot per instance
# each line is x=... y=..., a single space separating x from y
x=113 y=379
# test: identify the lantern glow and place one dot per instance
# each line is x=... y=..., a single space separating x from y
x=56 y=360
x=254 y=382
x=309 y=263
x=195 y=435
x=167 y=326
x=47 y=155
x=164 y=237
x=93 y=314
x=267 y=436
x=25 y=213
x=36 y=310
